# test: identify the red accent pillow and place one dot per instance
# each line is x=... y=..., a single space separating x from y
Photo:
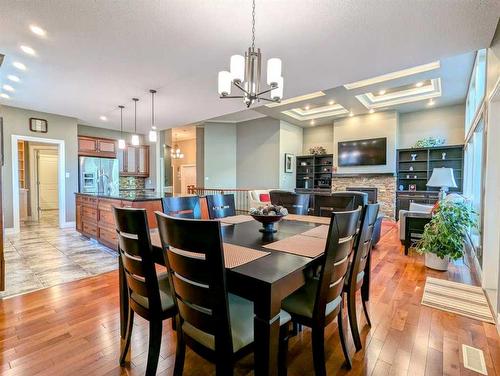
x=264 y=197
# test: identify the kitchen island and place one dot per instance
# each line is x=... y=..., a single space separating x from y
x=94 y=213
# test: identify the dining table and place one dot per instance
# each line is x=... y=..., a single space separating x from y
x=265 y=281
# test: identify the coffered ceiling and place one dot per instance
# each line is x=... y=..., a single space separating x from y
x=99 y=54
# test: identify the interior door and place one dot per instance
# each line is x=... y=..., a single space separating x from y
x=48 y=197
x=188 y=177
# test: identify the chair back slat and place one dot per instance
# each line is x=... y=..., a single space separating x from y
x=182 y=207
x=221 y=205
x=136 y=253
x=363 y=243
x=295 y=203
x=324 y=205
x=195 y=263
x=339 y=245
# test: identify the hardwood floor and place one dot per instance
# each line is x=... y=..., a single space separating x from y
x=73 y=329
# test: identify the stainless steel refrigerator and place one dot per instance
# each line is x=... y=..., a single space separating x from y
x=99 y=175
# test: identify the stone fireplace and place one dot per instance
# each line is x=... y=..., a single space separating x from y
x=385 y=184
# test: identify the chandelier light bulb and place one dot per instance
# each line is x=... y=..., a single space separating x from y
x=224 y=83
x=273 y=71
x=152 y=136
x=237 y=68
x=135 y=140
x=277 y=94
x=121 y=144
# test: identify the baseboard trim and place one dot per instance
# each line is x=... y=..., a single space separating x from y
x=68 y=224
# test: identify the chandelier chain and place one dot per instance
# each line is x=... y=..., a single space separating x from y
x=253 y=24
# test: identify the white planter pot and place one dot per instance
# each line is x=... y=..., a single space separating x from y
x=434 y=262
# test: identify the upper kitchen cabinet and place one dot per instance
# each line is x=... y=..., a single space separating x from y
x=96 y=147
x=134 y=161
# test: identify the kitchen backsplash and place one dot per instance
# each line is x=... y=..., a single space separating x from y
x=132 y=182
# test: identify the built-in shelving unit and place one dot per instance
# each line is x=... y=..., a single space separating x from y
x=21 y=151
x=314 y=171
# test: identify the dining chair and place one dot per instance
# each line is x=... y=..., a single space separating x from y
x=182 y=207
x=148 y=292
x=324 y=205
x=221 y=205
x=356 y=273
x=295 y=203
x=358 y=198
x=217 y=325
x=319 y=301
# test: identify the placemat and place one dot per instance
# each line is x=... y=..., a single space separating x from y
x=234 y=255
x=235 y=219
x=318 y=232
x=301 y=245
x=308 y=218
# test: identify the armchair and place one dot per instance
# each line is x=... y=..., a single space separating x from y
x=257 y=198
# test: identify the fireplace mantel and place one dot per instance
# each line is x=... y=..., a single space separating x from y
x=363 y=175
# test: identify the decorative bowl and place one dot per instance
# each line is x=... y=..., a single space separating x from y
x=268 y=222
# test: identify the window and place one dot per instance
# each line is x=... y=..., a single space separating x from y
x=477 y=89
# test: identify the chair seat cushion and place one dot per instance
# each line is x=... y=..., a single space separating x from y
x=165 y=294
x=241 y=316
x=301 y=302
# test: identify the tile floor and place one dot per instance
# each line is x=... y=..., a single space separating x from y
x=43 y=255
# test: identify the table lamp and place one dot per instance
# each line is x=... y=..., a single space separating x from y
x=443 y=178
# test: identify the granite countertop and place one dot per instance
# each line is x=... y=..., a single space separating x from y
x=126 y=196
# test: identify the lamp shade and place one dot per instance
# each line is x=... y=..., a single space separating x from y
x=277 y=94
x=152 y=136
x=224 y=83
x=442 y=177
x=135 y=140
x=237 y=68
x=273 y=71
x=121 y=144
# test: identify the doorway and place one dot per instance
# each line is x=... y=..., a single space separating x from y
x=188 y=178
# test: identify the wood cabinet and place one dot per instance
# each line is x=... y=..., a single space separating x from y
x=95 y=218
x=96 y=147
x=134 y=161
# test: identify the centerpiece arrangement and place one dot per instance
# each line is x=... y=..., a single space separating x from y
x=268 y=215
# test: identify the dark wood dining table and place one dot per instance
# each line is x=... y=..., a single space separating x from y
x=265 y=281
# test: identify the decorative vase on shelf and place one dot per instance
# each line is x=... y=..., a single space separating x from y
x=413 y=157
x=443 y=156
x=317 y=150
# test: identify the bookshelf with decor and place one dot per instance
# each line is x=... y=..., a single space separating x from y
x=314 y=172
x=414 y=169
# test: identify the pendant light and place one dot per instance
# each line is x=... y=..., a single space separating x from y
x=176 y=151
x=135 y=136
x=121 y=141
x=152 y=133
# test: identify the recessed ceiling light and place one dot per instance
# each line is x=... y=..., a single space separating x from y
x=431 y=103
x=351 y=114
x=371 y=111
x=8 y=87
x=313 y=122
x=13 y=78
x=103 y=118
x=419 y=84
x=3 y=95
x=381 y=92
x=307 y=107
x=28 y=50
x=331 y=102
x=38 y=30
x=19 y=65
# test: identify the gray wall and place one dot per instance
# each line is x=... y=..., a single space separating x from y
x=16 y=122
x=447 y=122
x=86 y=130
x=257 y=160
x=291 y=141
x=200 y=156
x=220 y=155
x=322 y=135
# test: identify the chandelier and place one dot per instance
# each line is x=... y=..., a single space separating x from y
x=245 y=74
x=176 y=152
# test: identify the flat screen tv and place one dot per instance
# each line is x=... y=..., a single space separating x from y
x=363 y=152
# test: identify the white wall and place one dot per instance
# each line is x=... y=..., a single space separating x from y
x=258 y=149
x=447 y=122
x=220 y=155
x=16 y=122
x=379 y=124
x=321 y=135
x=290 y=141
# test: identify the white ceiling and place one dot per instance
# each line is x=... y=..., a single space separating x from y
x=99 y=54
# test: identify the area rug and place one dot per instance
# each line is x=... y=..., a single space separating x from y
x=458 y=298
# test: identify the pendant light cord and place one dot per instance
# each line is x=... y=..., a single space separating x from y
x=121 y=120
x=253 y=24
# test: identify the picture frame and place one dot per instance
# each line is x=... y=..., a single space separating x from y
x=289 y=163
x=39 y=125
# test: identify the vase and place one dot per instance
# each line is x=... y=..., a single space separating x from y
x=437 y=263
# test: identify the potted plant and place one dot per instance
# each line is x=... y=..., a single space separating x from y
x=444 y=236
